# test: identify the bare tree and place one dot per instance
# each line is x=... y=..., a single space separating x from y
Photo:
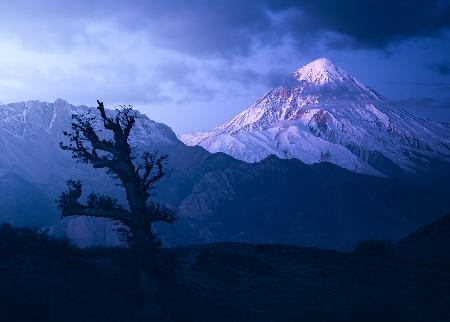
x=137 y=175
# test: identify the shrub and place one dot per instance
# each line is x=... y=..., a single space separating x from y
x=25 y=240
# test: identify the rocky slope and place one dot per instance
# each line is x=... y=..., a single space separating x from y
x=289 y=202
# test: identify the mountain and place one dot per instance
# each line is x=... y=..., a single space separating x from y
x=322 y=113
x=430 y=244
x=23 y=204
x=34 y=169
x=290 y=202
x=217 y=197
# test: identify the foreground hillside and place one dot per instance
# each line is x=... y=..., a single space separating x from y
x=43 y=280
x=431 y=244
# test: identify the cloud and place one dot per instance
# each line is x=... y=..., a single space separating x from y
x=248 y=76
x=426 y=84
x=368 y=24
x=226 y=29
x=197 y=93
x=202 y=54
x=442 y=69
x=121 y=69
x=421 y=103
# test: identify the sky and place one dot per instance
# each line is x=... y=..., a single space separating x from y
x=195 y=64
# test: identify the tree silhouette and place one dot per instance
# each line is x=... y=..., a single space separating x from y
x=137 y=175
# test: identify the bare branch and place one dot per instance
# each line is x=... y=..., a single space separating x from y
x=158 y=212
x=88 y=131
x=153 y=162
x=137 y=178
x=107 y=122
x=117 y=214
x=98 y=206
x=84 y=143
x=122 y=123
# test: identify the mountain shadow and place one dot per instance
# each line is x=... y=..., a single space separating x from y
x=287 y=201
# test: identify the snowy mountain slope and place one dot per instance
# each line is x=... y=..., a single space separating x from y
x=217 y=197
x=32 y=162
x=31 y=132
x=322 y=113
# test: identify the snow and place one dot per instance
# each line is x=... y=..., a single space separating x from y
x=30 y=133
x=319 y=72
x=328 y=110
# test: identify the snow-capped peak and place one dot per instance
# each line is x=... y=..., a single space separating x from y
x=320 y=71
x=327 y=114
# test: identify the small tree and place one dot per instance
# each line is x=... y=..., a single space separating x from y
x=137 y=175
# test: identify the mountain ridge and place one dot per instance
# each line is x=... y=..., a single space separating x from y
x=325 y=111
x=216 y=196
x=287 y=201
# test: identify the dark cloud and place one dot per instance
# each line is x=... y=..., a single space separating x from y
x=421 y=103
x=220 y=28
x=370 y=23
x=247 y=77
x=441 y=68
x=276 y=77
x=231 y=28
x=171 y=70
x=197 y=93
x=427 y=84
x=217 y=53
x=240 y=75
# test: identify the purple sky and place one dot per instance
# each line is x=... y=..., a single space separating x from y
x=195 y=64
